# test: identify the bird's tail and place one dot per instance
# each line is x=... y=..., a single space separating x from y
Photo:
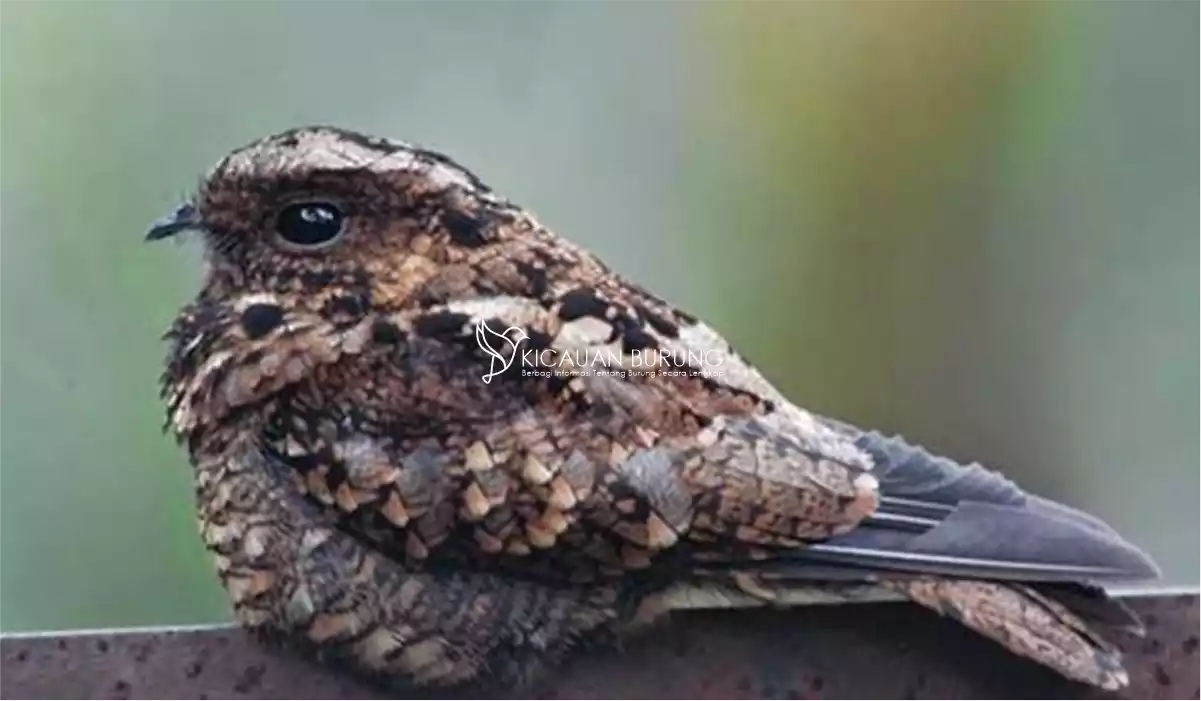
x=1025 y=619
x=1028 y=622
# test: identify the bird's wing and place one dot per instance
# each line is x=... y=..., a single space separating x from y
x=593 y=474
x=651 y=399
x=938 y=516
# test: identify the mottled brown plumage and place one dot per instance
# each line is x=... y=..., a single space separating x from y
x=395 y=468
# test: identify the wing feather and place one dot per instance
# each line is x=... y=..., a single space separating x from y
x=940 y=517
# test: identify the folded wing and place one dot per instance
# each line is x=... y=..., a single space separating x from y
x=939 y=517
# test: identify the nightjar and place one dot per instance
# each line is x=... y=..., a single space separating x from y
x=437 y=444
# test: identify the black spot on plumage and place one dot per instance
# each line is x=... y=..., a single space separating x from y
x=659 y=323
x=386 y=333
x=538 y=340
x=635 y=338
x=258 y=320
x=337 y=473
x=255 y=356
x=536 y=277
x=441 y=324
x=581 y=302
x=602 y=411
x=193 y=439
x=680 y=316
x=283 y=279
x=464 y=229
x=314 y=280
x=352 y=306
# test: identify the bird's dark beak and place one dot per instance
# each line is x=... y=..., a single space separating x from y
x=185 y=216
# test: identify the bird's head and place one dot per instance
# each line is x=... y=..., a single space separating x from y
x=307 y=234
x=333 y=220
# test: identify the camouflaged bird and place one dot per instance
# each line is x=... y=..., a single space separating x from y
x=368 y=495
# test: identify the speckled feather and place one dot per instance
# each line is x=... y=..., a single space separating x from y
x=367 y=493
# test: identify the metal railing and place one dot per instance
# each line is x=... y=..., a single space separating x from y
x=862 y=651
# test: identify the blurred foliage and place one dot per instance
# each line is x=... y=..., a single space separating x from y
x=972 y=223
x=875 y=125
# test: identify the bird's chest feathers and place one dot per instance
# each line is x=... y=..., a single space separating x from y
x=228 y=356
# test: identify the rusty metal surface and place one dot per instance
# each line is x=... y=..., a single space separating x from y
x=866 y=651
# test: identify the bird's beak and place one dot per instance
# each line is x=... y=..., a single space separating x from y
x=185 y=216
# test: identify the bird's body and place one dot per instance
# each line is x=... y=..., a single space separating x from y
x=439 y=443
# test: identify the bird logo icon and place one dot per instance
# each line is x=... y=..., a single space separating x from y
x=490 y=341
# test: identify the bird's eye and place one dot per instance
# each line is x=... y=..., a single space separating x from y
x=310 y=224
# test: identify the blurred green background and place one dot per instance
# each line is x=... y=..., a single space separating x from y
x=971 y=223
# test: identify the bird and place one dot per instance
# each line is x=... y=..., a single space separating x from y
x=388 y=481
